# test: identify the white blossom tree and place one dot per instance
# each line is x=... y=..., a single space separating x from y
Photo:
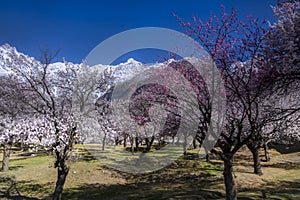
x=283 y=40
x=12 y=131
x=46 y=92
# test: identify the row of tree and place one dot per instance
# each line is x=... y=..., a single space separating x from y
x=259 y=64
x=260 y=67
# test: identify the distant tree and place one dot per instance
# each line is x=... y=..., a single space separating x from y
x=90 y=106
x=160 y=106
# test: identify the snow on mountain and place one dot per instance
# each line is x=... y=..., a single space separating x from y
x=7 y=56
x=10 y=56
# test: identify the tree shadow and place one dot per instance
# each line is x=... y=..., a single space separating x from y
x=288 y=190
x=285 y=148
x=283 y=165
x=18 y=197
x=11 y=190
x=168 y=183
x=135 y=191
x=15 y=167
x=87 y=155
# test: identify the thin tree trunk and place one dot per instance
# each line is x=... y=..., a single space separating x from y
x=229 y=180
x=206 y=155
x=266 y=150
x=185 y=144
x=62 y=173
x=6 y=155
x=131 y=145
x=125 y=142
x=103 y=142
x=137 y=143
x=22 y=146
x=194 y=143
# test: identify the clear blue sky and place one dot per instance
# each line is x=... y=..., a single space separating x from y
x=76 y=27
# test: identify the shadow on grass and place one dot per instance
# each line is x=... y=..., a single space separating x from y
x=286 y=165
x=87 y=155
x=285 y=148
x=140 y=191
x=9 y=189
x=17 y=197
x=15 y=167
x=288 y=190
x=169 y=183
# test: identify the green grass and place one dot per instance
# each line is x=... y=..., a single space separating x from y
x=33 y=177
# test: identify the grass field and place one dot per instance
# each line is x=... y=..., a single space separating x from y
x=33 y=177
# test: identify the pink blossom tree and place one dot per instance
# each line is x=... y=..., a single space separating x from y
x=236 y=47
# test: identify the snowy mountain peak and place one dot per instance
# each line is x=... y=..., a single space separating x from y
x=10 y=56
x=6 y=51
x=131 y=61
x=6 y=47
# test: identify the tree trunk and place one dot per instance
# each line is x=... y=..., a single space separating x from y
x=103 y=142
x=229 y=180
x=22 y=146
x=116 y=141
x=6 y=155
x=206 y=155
x=62 y=173
x=149 y=143
x=254 y=148
x=131 y=145
x=194 y=143
x=266 y=150
x=256 y=161
x=137 y=143
x=185 y=144
x=125 y=142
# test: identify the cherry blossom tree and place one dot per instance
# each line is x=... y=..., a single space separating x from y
x=90 y=104
x=281 y=57
x=10 y=121
x=46 y=92
x=282 y=48
x=283 y=126
x=236 y=48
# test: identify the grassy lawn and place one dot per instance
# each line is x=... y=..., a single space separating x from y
x=33 y=177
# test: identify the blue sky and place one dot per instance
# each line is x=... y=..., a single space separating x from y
x=76 y=27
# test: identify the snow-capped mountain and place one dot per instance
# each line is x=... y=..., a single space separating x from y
x=10 y=56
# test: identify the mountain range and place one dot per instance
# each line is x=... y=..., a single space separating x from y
x=9 y=55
